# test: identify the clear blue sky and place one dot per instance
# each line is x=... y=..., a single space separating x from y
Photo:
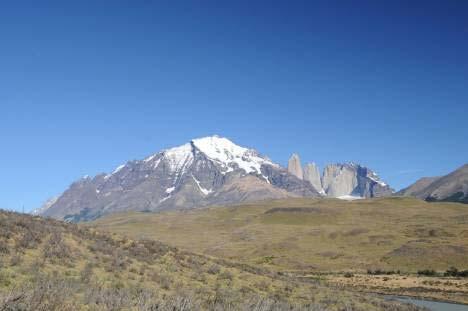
x=87 y=85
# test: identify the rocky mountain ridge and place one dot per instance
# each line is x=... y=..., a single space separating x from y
x=206 y=171
x=341 y=180
x=452 y=187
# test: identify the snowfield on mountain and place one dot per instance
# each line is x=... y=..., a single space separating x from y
x=206 y=171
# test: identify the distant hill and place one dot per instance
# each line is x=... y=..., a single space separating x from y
x=417 y=187
x=52 y=265
x=452 y=187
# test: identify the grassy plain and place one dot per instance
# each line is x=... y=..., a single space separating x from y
x=315 y=235
x=319 y=237
x=52 y=265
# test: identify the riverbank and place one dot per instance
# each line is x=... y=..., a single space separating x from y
x=447 y=289
x=431 y=304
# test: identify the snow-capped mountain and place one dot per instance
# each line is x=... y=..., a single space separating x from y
x=205 y=171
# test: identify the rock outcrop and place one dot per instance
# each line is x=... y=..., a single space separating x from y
x=347 y=181
x=339 y=180
x=350 y=179
x=312 y=175
x=295 y=167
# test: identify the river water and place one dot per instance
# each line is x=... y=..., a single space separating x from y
x=431 y=305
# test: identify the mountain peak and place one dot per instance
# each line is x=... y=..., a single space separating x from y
x=219 y=149
x=294 y=166
x=225 y=152
x=214 y=147
x=202 y=172
x=215 y=143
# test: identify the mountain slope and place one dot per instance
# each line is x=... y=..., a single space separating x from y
x=452 y=187
x=417 y=187
x=192 y=175
x=248 y=188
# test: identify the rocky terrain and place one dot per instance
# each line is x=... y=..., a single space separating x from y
x=417 y=187
x=452 y=187
x=206 y=171
x=346 y=181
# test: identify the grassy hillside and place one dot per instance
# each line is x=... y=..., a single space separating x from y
x=313 y=235
x=51 y=265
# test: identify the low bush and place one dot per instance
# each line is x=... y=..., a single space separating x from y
x=427 y=272
x=382 y=272
x=56 y=248
x=214 y=269
x=452 y=271
x=51 y=265
x=4 y=247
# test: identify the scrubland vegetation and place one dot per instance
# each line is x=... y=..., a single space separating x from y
x=51 y=265
x=312 y=235
x=354 y=244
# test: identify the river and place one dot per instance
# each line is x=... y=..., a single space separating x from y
x=431 y=305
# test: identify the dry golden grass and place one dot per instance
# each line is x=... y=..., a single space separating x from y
x=324 y=239
x=312 y=235
x=51 y=265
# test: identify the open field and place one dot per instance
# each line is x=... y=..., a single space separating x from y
x=310 y=236
x=315 y=235
x=51 y=265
